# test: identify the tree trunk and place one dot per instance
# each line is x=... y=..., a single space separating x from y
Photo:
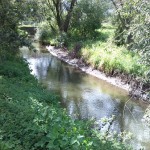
x=119 y=15
x=58 y=11
x=68 y=17
x=58 y=15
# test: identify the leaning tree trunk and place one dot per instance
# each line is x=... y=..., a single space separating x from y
x=68 y=17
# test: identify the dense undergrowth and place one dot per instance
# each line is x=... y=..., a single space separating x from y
x=32 y=119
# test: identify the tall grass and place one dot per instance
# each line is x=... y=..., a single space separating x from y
x=101 y=53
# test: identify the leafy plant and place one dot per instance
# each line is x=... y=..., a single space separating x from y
x=87 y=17
x=31 y=117
x=44 y=33
x=11 y=40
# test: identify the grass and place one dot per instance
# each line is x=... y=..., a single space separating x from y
x=102 y=53
x=32 y=119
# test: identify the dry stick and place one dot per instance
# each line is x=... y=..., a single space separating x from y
x=129 y=109
x=132 y=115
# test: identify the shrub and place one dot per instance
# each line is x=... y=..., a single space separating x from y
x=44 y=32
x=87 y=17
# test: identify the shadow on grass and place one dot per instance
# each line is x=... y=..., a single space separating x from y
x=96 y=37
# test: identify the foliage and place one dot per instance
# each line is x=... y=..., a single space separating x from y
x=32 y=11
x=140 y=30
x=31 y=117
x=44 y=32
x=58 y=13
x=72 y=19
x=124 y=15
x=80 y=17
x=133 y=26
x=101 y=53
x=47 y=36
x=10 y=14
x=87 y=17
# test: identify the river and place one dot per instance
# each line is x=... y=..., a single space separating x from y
x=86 y=97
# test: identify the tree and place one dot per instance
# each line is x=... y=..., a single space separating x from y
x=124 y=15
x=140 y=30
x=133 y=30
x=88 y=16
x=133 y=26
x=59 y=13
x=83 y=16
x=10 y=15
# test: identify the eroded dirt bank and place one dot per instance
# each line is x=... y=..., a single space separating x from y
x=117 y=80
x=64 y=56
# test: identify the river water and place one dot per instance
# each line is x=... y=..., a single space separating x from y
x=87 y=97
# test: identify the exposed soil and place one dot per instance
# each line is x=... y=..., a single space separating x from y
x=123 y=81
x=64 y=56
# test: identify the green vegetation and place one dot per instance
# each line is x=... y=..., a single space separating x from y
x=31 y=117
x=44 y=33
x=118 y=49
x=10 y=36
x=103 y=54
x=133 y=26
x=80 y=17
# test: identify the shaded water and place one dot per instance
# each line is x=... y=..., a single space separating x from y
x=85 y=96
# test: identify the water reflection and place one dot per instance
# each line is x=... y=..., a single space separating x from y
x=85 y=96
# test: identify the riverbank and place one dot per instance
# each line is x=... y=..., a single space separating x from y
x=101 y=57
x=122 y=81
x=64 y=56
x=31 y=117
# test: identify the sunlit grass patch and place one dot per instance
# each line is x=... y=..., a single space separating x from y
x=106 y=56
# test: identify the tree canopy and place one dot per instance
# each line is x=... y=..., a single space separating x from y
x=11 y=13
x=133 y=26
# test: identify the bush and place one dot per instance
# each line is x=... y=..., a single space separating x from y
x=44 y=32
x=61 y=40
x=140 y=27
x=87 y=17
x=103 y=54
x=133 y=27
x=10 y=38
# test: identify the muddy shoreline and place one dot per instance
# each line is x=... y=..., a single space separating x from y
x=114 y=80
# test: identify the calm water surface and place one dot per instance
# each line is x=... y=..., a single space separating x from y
x=87 y=97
